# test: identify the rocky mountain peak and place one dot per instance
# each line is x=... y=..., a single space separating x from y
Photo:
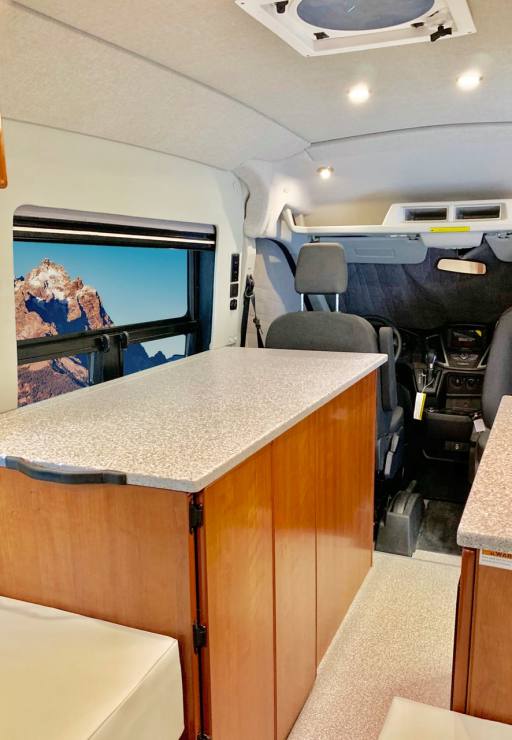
x=50 y=302
x=55 y=298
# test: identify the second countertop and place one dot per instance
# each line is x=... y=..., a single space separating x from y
x=487 y=519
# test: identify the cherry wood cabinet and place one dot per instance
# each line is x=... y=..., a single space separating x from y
x=3 y=165
x=482 y=668
x=264 y=562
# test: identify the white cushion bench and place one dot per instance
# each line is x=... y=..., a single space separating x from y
x=67 y=677
x=409 y=719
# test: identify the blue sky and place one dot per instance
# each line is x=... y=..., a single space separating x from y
x=135 y=283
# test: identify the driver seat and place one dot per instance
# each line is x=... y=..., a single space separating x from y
x=322 y=270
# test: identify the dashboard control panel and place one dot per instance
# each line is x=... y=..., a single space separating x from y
x=465 y=345
x=464 y=359
x=464 y=384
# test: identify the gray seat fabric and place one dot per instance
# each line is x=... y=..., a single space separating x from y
x=497 y=380
x=388 y=372
x=397 y=419
x=322 y=269
x=498 y=376
x=322 y=330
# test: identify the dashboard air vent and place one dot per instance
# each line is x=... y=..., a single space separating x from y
x=426 y=214
x=478 y=213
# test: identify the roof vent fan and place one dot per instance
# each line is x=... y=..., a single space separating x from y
x=319 y=27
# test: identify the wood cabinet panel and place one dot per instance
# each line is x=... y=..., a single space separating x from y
x=285 y=545
x=344 y=503
x=239 y=600
x=490 y=671
x=3 y=166
x=119 y=553
x=463 y=624
x=294 y=482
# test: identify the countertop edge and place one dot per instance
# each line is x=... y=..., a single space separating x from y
x=194 y=486
x=480 y=507
x=478 y=541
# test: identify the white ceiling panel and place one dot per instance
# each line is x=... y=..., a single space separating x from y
x=452 y=162
x=216 y=43
x=52 y=75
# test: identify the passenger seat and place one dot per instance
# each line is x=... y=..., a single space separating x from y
x=322 y=270
x=498 y=378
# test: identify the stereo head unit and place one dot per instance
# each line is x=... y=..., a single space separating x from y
x=467 y=338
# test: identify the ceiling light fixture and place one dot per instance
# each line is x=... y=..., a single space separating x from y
x=359 y=93
x=325 y=172
x=469 y=80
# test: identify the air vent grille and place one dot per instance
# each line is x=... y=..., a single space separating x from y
x=318 y=27
x=478 y=213
x=426 y=214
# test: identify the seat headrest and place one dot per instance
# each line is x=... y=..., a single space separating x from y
x=321 y=269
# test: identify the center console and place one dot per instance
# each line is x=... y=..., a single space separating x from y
x=453 y=384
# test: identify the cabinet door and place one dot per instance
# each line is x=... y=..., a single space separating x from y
x=344 y=503
x=294 y=479
x=237 y=601
x=490 y=676
x=119 y=553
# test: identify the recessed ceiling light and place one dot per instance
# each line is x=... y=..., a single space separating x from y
x=325 y=172
x=469 y=80
x=359 y=93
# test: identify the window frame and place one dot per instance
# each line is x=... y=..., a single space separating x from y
x=106 y=345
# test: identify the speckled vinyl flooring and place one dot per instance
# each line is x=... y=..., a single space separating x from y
x=396 y=640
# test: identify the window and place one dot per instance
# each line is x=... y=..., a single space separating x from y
x=97 y=300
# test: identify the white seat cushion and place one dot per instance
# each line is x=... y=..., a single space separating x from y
x=67 y=677
x=408 y=719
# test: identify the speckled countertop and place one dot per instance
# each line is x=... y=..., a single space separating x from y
x=487 y=519
x=182 y=426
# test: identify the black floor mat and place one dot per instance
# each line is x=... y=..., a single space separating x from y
x=438 y=532
x=443 y=481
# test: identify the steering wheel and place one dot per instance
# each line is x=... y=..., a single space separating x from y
x=377 y=322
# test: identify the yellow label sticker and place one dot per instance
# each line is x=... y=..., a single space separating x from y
x=496 y=559
x=419 y=406
x=449 y=229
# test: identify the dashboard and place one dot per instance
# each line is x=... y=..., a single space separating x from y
x=448 y=365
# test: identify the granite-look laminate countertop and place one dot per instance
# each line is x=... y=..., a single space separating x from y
x=181 y=426
x=487 y=519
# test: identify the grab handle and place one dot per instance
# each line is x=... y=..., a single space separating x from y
x=56 y=475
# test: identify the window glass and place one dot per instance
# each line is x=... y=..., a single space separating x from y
x=77 y=289
x=157 y=352
x=38 y=381
x=64 y=288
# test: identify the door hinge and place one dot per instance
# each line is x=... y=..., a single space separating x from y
x=199 y=632
x=195 y=516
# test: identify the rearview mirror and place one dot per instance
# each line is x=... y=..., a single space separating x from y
x=465 y=267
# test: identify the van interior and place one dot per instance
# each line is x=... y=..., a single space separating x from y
x=256 y=370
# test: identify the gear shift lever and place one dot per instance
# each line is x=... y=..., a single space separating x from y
x=431 y=361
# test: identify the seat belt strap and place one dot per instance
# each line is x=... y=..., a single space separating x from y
x=250 y=299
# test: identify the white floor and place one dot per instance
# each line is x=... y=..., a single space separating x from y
x=397 y=640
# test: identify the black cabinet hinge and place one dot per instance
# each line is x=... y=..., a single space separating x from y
x=199 y=632
x=203 y=736
x=195 y=516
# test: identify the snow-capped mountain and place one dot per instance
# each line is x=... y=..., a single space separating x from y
x=49 y=302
